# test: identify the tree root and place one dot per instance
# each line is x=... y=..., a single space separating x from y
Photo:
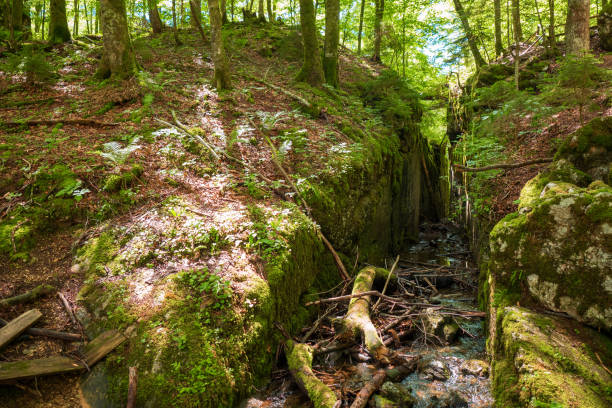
x=299 y=359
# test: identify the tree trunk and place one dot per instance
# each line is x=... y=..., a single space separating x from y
x=75 y=26
x=378 y=17
x=516 y=20
x=98 y=16
x=195 y=8
x=360 y=27
x=551 y=27
x=499 y=48
x=17 y=11
x=312 y=69
x=37 y=19
x=87 y=26
x=177 y=40
x=223 y=6
x=332 y=37
x=270 y=13
x=154 y=18
x=577 y=36
x=118 y=56
x=58 y=23
x=44 y=15
x=469 y=34
x=261 y=15
x=222 y=73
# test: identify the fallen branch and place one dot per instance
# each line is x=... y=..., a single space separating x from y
x=68 y=308
x=48 y=122
x=386 y=282
x=459 y=167
x=299 y=359
x=35 y=331
x=285 y=92
x=351 y=296
x=17 y=326
x=370 y=388
x=40 y=290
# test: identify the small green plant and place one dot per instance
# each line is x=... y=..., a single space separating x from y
x=204 y=282
x=115 y=153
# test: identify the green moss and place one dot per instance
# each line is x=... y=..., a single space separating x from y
x=116 y=182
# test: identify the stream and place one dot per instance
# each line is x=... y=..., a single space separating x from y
x=445 y=330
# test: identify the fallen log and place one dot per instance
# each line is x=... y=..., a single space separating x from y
x=30 y=296
x=299 y=359
x=501 y=166
x=357 y=321
x=93 y=352
x=17 y=326
x=49 y=122
x=370 y=388
x=35 y=331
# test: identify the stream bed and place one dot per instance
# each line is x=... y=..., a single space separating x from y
x=437 y=282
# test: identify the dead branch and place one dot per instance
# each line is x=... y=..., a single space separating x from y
x=34 y=331
x=460 y=168
x=40 y=290
x=68 y=308
x=132 y=385
x=351 y=296
x=370 y=388
x=386 y=282
x=49 y=122
x=297 y=98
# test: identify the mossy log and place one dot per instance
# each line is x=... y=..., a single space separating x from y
x=40 y=290
x=357 y=321
x=299 y=359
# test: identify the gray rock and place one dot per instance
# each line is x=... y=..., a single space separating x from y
x=432 y=369
x=398 y=394
x=477 y=368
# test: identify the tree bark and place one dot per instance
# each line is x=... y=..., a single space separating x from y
x=261 y=15
x=499 y=48
x=118 y=56
x=222 y=74
x=75 y=25
x=177 y=40
x=469 y=34
x=577 y=35
x=378 y=17
x=195 y=8
x=270 y=13
x=516 y=20
x=154 y=18
x=332 y=37
x=359 y=34
x=17 y=14
x=312 y=69
x=196 y=16
x=58 y=23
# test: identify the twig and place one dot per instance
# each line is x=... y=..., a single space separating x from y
x=602 y=364
x=386 y=282
x=460 y=168
x=83 y=122
x=34 y=294
x=348 y=297
x=315 y=326
x=298 y=98
x=366 y=392
x=68 y=308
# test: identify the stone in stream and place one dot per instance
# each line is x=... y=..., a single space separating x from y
x=432 y=369
x=477 y=368
x=378 y=401
x=399 y=394
x=440 y=326
x=450 y=399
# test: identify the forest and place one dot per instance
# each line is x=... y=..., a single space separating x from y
x=306 y=203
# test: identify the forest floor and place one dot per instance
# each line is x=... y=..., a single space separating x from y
x=173 y=79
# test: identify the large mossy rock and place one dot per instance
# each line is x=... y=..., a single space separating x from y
x=544 y=361
x=558 y=252
x=589 y=149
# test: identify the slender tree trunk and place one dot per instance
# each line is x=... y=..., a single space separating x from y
x=270 y=14
x=499 y=48
x=177 y=40
x=516 y=20
x=469 y=34
x=222 y=73
x=378 y=17
x=261 y=15
x=195 y=8
x=58 y=23
x=154 y=18
x=75 y=25
x=98 y=16
x=516 y=23
x=508 y=23
x=404 y=39
x=17 y=14
x=359 y=34
x=332 y=37
x=223 y=6
x=312 y=69
x=44 y=15
x=38 y=10
x=118 y=56
x=232 y=9
x=87 y=27
x=181 y=20
x=577 y=35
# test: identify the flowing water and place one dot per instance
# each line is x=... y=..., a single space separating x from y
x=452 y=372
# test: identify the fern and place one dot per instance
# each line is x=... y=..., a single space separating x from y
x=115 y=153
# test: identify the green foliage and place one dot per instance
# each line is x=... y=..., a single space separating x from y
x=116 y=154
x=31 y=62
x=204 y=282
x=265 y=237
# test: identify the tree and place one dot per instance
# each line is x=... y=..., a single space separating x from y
x=270 y=12
x=551 y=27
x=261 y=15
x=378 y=17
x=499 y=48
x=75 y=25
x=117 y=56
x=469 y=34
x=577 y=34
x=222 y=74
x=360 y=27
x=154 y=18
x=58 y=23
x=312 y=69
x=516 y=20
x=177 y=40
x=332 y=37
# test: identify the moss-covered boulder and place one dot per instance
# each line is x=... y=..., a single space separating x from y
x=589 y=149
x=544 y=361
x=558 y=252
